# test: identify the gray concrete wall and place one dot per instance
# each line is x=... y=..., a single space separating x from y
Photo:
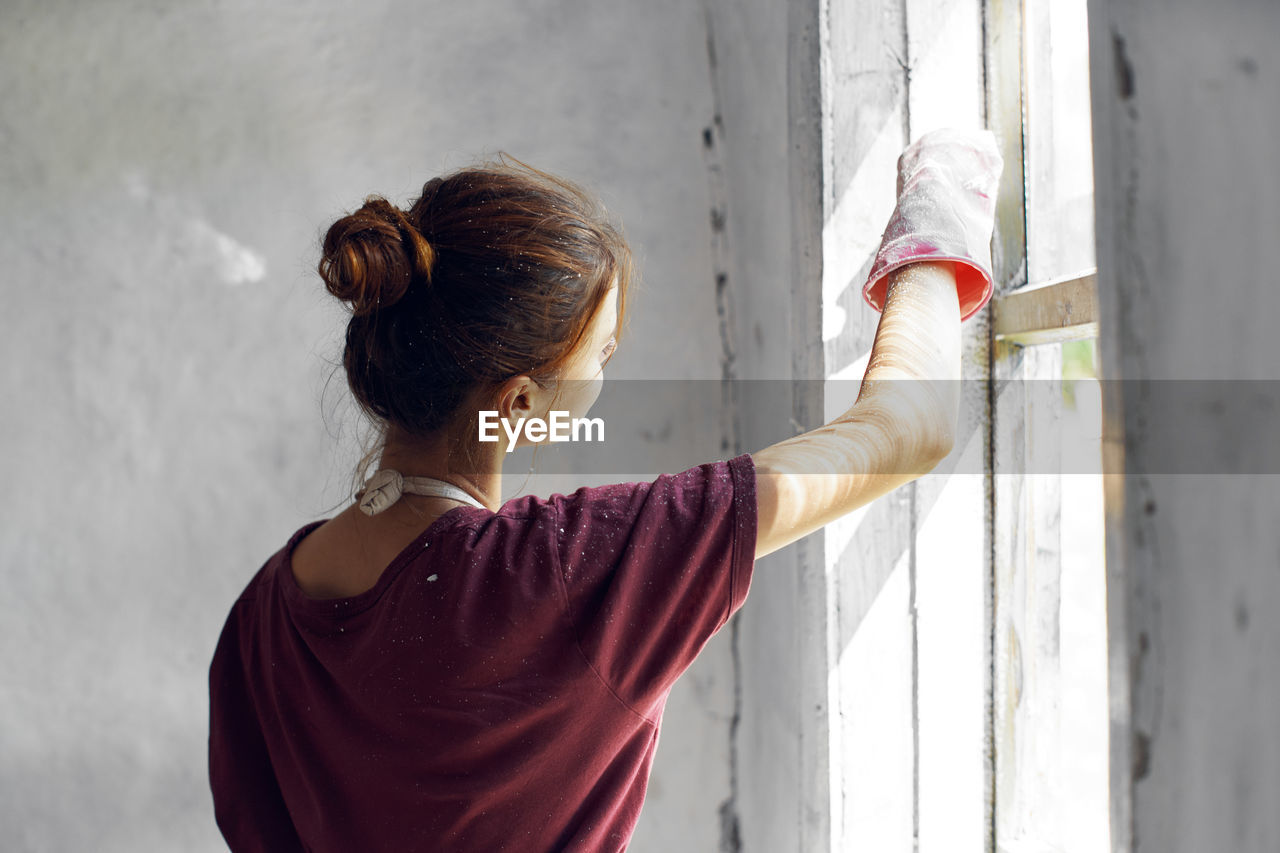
x=167 y=171
x=1186 y=111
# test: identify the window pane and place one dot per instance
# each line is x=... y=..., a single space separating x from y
x=1059 y=154
x=1083 y=611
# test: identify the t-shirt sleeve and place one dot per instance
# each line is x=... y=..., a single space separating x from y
x=653 y=570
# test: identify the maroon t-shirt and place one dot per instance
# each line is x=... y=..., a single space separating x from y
x=499 y=688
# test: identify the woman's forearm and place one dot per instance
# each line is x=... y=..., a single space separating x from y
x=913 y=374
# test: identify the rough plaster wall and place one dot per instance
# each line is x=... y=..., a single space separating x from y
x=1186 y=110
x=167 y=169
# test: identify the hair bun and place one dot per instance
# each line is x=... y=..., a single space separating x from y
x=370 y=257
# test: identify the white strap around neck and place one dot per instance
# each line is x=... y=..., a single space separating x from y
x=385 y=487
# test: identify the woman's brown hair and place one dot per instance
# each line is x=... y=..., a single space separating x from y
x=495 y=271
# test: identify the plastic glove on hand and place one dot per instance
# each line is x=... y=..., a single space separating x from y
x=947 y=181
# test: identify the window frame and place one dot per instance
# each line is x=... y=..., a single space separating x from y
x=1025 y=511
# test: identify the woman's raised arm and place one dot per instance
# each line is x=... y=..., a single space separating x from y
x=899 y=428
x=931 y=272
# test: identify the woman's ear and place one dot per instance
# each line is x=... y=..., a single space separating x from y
x=514 y=398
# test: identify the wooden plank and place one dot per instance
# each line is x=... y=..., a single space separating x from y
x=1027 y=574
x=873 y=684
x=952 y=595
x=1025 y=505
x=1056 y=312
x=868 y=555
x=1004 y=116
x=948 y=511
x=865 y=86
x=1003 y=58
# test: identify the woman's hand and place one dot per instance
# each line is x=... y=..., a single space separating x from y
x=947 y=182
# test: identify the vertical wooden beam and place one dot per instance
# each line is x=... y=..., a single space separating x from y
x=951 y=584
x=1028 y=553
x=869 y=553
x=1003 y=25
x=1026 y=494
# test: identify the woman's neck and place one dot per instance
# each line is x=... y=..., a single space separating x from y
x=477 y=470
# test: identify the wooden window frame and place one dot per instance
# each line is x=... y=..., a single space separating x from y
x=1024 y=511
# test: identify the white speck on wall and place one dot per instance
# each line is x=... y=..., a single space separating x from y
x=233 y=262
x=236 y=263
x=137 y=186
x=432 y=578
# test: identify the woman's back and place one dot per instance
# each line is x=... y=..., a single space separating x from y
x=499 y=686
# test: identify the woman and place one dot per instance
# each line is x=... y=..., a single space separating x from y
x=433 y=669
